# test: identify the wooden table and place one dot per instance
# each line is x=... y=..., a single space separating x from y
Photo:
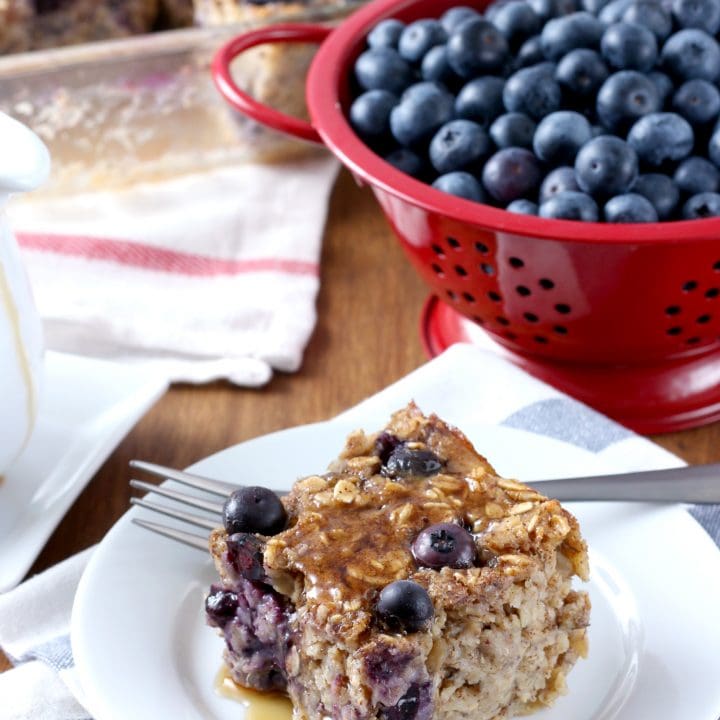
x=366 y=337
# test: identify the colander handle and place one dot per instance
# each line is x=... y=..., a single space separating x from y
x=240 y=100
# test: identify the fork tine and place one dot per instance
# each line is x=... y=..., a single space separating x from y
x=195 y=541
x=177 y=514
x=216 y=487
x=195 y=502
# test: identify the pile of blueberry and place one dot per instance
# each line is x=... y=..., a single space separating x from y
x=575 y=109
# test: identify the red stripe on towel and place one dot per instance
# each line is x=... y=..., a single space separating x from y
x=148 y=257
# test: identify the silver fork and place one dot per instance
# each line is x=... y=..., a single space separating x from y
x=695 y=484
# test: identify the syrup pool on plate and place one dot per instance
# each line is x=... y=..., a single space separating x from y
x=258 y=705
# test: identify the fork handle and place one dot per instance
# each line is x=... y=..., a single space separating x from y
x=692 y=484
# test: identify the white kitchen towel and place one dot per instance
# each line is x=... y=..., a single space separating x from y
x=212 y=275
x=35 y=617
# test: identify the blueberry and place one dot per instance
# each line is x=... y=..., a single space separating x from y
x=220 y=605
x=581 y=72
x=418 y=37
x=511 y=173
x=698 y=101
x=405 y=605
x=370 y=112
x=522 y=207
x=405 y=461
x=663 y=84
x=697 y=175
x=714 y=147
x=703 y=14
x=423 y=108
x=415 y=704
x=546 y=9
x=570 y=206
x=444 y=545
x=435 y=66
x=651 y=15
x=459 y=145
x=461 y=184
x=606 y=166
x=704 y=205
x=691 y=54
x=530 y=53
x=626 y=46
x=386 y=33
x=385 y=443
x=532 y=91
x=245 y=554
x=661 y=137
x=454 y=17
x=624 y=97
x=481 y=100
x=563 y=34
x=559 y=136
x=513 y=130
x=406 y=161
x=661 y=191
x=382 y=68
x=558 y=181
x=254 y=510
x=629 y=208
x=475 y=47
x=613 y=12
x=517 y=21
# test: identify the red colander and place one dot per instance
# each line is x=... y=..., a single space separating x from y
x=624 y=317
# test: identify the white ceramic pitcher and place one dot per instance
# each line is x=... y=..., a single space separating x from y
x=24 y=164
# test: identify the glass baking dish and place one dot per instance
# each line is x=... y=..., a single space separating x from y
x=141 y=109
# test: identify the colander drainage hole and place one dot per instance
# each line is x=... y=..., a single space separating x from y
x=674 y=331
x=438 y=270
x=516 y=262
x=460 y=270
x=438 y=251
x=522 y=290
x=468 y=297
x=531 y=317
x=563 y=309
x=452 y=294
x=546 y=283
x=482 y=248
x=510 y=335
x=712 y=293
x=453 y=243
x=487 y=269
x=495 y=297
x=478 y=320
x=704 y=319
x=540 y=339
x=689 y=286
x=502 y=321
x=672 y=310
x=716 y=266
x=560 y=330
x=693 y=341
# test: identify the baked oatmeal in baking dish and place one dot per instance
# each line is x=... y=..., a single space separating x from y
x=408 y=582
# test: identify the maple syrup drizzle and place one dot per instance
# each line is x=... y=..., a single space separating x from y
x=258 y=705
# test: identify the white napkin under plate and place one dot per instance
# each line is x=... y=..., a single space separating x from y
x=206 y=276
x=35 y=617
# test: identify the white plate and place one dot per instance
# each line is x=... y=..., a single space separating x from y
x=142 y=649
x=86 y=409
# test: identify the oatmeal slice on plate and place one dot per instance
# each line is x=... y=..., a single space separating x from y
x=407 y=582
